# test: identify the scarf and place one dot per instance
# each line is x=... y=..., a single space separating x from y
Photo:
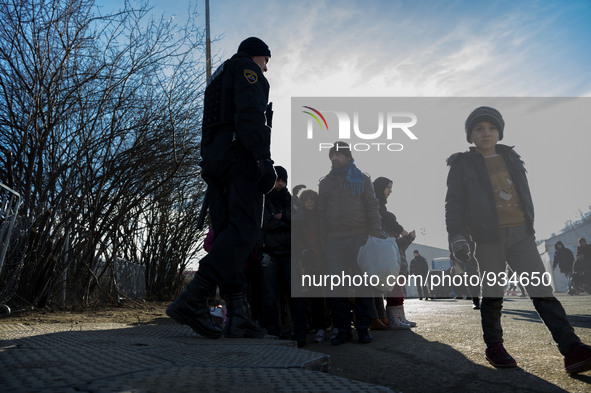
x=354 y=179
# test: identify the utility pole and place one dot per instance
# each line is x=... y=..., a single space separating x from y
x=207 y=41
x=205 y=202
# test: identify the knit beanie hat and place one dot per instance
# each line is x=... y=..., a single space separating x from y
x=484 y=113
x=254 y=46
x=281 y=173
x=341 y=147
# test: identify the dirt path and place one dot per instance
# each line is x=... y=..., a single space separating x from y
x=131 y=312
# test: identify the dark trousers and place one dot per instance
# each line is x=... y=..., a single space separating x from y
x=254 y=286
x=275 y=277
x=318 y=313
x=235 y=210
x=473 y=290
x=517 y=248
x=422 y=290
x=341 y=313
x=341 y=256
x=377 y=309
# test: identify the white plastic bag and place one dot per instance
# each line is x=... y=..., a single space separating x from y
x=381 y=258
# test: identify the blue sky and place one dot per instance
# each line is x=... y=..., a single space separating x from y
x=427 y=49
x=419 y=48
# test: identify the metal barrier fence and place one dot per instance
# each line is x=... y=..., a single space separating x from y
x=10 y=201
x=129 y=277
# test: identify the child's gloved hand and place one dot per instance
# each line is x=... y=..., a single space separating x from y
x=460 y=248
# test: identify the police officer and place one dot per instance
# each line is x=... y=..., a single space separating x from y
x=238 y=169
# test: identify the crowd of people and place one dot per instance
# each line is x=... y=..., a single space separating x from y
x=576 y=271
x=488 y=212
x=325 y=239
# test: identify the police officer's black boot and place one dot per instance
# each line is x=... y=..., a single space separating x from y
x=191 y=308
x=239 y=323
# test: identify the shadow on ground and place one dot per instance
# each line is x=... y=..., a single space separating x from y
x=405 y=361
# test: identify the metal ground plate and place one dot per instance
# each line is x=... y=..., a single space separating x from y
x=157 y=358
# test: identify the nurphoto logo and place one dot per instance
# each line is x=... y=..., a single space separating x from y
x=389 y=126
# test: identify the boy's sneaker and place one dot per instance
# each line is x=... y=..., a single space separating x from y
x=578 y=358
x=319 y=336
x=497 y=355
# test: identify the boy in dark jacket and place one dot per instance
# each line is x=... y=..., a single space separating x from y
x=488 y=204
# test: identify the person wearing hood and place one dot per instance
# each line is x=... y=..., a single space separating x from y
x=395 y=299
x=564 y=260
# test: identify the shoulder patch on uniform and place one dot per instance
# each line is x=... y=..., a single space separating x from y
x=251 y=76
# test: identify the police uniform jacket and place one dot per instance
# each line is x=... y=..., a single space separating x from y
x=235 y=102
x=470 y=205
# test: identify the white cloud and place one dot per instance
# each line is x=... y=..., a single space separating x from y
x=423 y=48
